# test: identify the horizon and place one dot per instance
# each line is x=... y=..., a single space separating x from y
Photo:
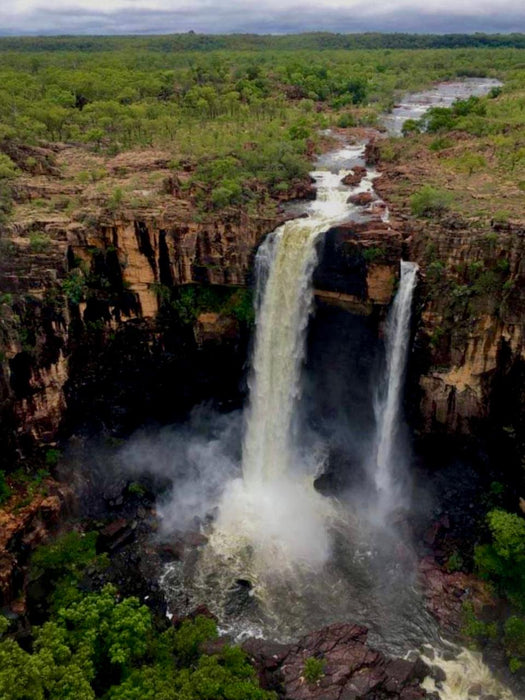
x=261 y=17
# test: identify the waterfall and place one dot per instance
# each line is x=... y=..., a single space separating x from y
x=284 y=266
x=387 y=405
x=274 y=509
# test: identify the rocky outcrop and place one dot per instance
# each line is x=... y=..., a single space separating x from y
x=25 y=522
x=348 y=668
x=358 y=265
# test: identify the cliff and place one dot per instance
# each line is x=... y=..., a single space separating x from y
x=93 y=313
x=468 y=369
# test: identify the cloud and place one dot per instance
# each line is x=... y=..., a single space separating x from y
x=264 y=16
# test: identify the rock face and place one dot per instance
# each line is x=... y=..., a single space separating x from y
x=350 y=669
x=358 y=265
x=467 y=375
x=60 y=344
x=22 y=528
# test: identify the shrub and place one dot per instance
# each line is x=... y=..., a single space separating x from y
x=429 y=201
x=8 y=169
x=503 y=560
x=74 y=286
x=440 y=143
x=372 y=254
x=514 y=642
x=5 y=491
x=39 y=242
x=475 y=628
x=313 y=669
x=410 y=126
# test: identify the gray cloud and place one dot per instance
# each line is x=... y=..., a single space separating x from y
x=263 y=17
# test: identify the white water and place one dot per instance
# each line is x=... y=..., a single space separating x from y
x=285 y=263
x=275 y=509
x=388 y=399
x=467 y=677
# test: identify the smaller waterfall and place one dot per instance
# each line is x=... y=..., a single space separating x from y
x=387 y=405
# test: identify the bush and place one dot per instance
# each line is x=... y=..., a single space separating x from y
x=74 y=286
x=5 y=491
x=313 y=669
x=429 y=201
x=39 y=242
x=503 y=560
x=226 y=195
x=8 y=169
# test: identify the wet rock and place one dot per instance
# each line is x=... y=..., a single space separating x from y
x=351 y=668
x=171 y=551
x=354 y=178
x=445 y=593
x=438 y=674
x=360 y=199
x=195 y=539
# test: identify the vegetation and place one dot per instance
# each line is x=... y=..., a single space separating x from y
x=187 y=94
x=102 y=646
x=502 y=563
x=429 y=201
x=5 y=490
x=97 y=644
x=189 y=301
x=313 y=669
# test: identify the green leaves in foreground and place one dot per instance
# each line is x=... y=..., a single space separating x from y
x=104 y=647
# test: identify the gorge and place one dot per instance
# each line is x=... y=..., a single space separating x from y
x=295 y=500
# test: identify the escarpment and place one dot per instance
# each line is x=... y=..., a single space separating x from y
x=468 y=369
x=97 y=310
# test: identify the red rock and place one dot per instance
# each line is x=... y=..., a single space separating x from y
x=361 y=199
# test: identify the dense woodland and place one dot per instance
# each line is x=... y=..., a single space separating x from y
x=235 y=118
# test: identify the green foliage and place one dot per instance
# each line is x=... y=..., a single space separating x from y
x=503 y=560
x=429 y=201
x=102 y=646
x=39 y=242
x=313 y=669
x=187 y=640
x=68 y=553
x=52 y=457
x=373 y=253
x=115 y=200
x=474 y=628
x=469 y=163
x=440 y=143
x=190 y=301
x=410 y=126
x=136 y=489
x=514 y=639
x=241 y=306
x=74 y=286
x=454 y=562
x=5 y=491
x=8 y=169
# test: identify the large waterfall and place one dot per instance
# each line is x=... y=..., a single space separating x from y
x=275 y=507
x=285 y=263
x=389 y=394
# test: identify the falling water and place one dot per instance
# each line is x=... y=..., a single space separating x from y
x=388 y=398
x=285 y=264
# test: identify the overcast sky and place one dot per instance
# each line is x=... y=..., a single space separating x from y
x=260 y=16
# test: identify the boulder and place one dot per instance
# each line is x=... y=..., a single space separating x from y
x=360 y=199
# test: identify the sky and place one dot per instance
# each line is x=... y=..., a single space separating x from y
x=258 y=16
